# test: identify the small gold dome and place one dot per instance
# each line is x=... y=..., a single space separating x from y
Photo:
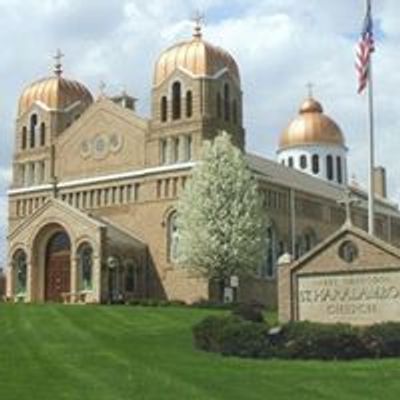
x=196 y=56
x=311 y=126
x=55 y=93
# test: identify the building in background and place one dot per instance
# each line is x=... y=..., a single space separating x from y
x=92 y=206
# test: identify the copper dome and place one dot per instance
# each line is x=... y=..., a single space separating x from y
x=311 y=126
x=196 y=56
x=55 y=92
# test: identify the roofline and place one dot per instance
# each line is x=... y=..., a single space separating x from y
x=311 y=144
x=106 y=178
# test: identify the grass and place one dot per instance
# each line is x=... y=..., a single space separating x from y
x=117 y=353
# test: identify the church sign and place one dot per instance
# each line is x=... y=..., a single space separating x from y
x=354 y=298
x=351 y=277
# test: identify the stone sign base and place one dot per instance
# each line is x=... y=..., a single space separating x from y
x=351 y=277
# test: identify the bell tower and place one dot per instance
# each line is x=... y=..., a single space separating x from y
x=196 y=93
x=47 y=107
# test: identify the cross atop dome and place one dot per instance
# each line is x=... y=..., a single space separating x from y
x=58 y=70
x=310 y=88
x=198 y=19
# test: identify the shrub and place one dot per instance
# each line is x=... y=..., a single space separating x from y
x=245 y=339
x=232 y=335
x=208 y=333
x=210 y=304
x=306 y=340
x=148 y=302
x=382 y=340
x=178 y=303
x=249 y=312
x=134 y=302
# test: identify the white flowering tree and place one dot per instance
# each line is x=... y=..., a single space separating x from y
x=222 y=226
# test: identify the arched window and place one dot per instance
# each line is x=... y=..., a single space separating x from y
x=329 y=167
x=32 y=132
x=339 y=170
x=85 y=266
x=271 y=253
x=309 y=239
x=31 y=174
x=42 y=134
x=173 y=238
x=315 y=164
x=299 y=247
x=164 y=109
x=219 y=105
x=234 y=112
x=303 y=162
x=189 y=104
x=227 y=114
x=290 y=162
x=176 y=100
x=24 y=138
x=187 y=148
x=59 y=242
x=20 y=272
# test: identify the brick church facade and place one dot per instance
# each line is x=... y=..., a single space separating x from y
x=95 y=185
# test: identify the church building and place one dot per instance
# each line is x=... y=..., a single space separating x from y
x=92 y=204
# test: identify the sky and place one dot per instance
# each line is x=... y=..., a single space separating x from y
x=279 y=45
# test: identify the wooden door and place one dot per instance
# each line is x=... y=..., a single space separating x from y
x=58 y=267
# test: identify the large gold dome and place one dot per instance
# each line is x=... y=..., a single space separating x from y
x=54 y=92
x=196 y=56
x=311 y=126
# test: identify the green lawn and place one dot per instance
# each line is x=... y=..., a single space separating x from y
x=114 y=353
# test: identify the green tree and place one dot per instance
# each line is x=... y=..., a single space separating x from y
x=220 y=218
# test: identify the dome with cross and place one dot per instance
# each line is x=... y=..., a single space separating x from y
x=195 y=56
x=313 y=143
x=54 y=92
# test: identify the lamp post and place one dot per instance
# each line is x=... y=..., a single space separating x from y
x=113 y=265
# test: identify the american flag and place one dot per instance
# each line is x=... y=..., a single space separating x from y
x=364 y=50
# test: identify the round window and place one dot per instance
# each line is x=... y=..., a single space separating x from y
x=348 y=251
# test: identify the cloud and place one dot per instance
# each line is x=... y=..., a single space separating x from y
x=280 y=46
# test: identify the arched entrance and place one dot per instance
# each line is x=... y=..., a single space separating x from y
x=57 y=266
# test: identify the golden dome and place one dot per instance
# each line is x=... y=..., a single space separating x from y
x=311 y=126
x=196 y=56
x=55 y=92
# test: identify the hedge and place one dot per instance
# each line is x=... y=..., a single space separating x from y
x=235 y=336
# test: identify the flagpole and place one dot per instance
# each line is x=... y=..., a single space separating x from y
x=371 y=164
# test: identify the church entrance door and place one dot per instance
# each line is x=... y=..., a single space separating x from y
x=58 y=267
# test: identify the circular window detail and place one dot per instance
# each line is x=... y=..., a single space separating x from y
x=101 y=146
x=115 y=142
x=348 y=251
x=85 y=149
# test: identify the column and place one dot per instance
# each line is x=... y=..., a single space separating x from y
x=74 y=278
x=36 y=173
x=26 y=174
x=96 y=279
x=170 y=151
x=10 y=281
x=182 y=154
x=46 y=174
x=19 y=175
x=82 y=198
x=31 y=174
x=29 y=282
x=284 y=289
